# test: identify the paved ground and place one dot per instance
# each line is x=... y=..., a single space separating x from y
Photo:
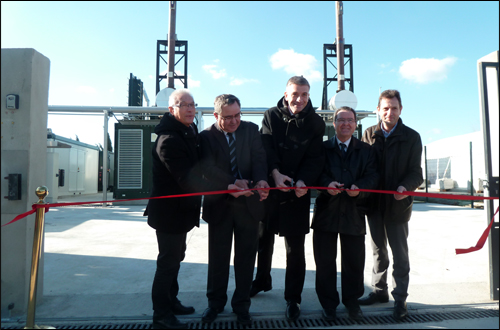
x=100 y=263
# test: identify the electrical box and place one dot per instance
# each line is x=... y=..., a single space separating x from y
x=12 y=102
x=14 y=187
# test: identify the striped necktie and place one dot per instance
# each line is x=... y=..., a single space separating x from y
x=343 y=149
x=232 y=155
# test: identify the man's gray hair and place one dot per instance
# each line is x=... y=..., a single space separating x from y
x=298 y=80
x=176 y=94
x=224 y=100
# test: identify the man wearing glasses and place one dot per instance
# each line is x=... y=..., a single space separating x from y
x=175 y=171
x=292 y=136
x=349 y=164
x=232 y=154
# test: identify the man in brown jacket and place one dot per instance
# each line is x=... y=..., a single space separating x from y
x=399 y=150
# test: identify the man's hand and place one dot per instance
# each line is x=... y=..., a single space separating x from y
x=238 y=194
x=280 y=179
x=334 y=184
x=262 y=193
x=300 y=192
x=353 y=192
x=400 y=190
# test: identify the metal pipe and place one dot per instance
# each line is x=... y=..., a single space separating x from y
x=171 y=45
x=471 y=177
x=41 y=192
x=105 y=161
x=426 y=181
x=339 y=9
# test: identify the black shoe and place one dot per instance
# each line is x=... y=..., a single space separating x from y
x=292 y=311
x=329 y=314
x=168 y=322
x=355 y=313
x=179 y=309
x=256 y=289
x=210 y=314
x=244 y=318
x=373 y=298
x=400 y=310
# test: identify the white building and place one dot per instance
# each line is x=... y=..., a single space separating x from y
x=72 y=167
x=451 y=158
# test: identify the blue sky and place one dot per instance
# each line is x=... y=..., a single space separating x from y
x=426 y=50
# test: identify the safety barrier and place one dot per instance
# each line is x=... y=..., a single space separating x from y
x=40 y=208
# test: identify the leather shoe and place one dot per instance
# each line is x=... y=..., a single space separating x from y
x=168 y=322
x=244 y=318
x=400 y=310
x=292 y=311
x=256 y=289
x=355 y=313
x=329 y=314
x=210 y=314
x=373 y=298
x=179 y=309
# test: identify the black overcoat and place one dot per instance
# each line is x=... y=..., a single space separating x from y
x=399 y=161
x=342 y=213
x=176 y=171
x=293 y=146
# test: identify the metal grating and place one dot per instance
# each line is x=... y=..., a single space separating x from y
x=305 y=322
x=130 y=159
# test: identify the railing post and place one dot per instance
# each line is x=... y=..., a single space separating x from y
x=41 y=192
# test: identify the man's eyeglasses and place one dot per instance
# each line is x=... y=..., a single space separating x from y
x=186 y=106
x=343 y=121
x=228 y=118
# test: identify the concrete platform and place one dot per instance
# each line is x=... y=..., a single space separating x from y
x=100 y=263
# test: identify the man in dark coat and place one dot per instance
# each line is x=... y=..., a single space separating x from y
x=232 y=153
x=292 y=134
x=350 y=164
x=175 y=171
x=398 y=150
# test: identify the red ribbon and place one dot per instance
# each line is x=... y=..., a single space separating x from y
x=478 y=246
x=481 y=241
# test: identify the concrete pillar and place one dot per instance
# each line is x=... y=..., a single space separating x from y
x=25 y=72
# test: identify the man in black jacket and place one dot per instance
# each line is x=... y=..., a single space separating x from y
x=399 y=150
x=232 y=153
x=175 y=171
x=350 y=164
x=292 y=134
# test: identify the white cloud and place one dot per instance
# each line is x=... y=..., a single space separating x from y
x=192 y=82
x=214 y=70
x=426 y=70
x=296 y=64
x=238 y=82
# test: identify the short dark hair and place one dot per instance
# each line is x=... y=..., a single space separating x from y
x=344 y=108
x=390 y=94
x=298 y=80
x=224 y=100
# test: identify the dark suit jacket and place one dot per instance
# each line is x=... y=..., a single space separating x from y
x=215 y=162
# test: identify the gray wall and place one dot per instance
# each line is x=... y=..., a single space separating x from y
x=25 y=72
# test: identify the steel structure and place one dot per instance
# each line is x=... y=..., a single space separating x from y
x=181 y=48
x=489 y=91
x=330 y=51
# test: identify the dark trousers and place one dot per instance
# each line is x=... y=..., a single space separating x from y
x=172 y=248
x=263 y=277
x=295 y=264
x=352 y=268
x=397 y=235
x=245 y=228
